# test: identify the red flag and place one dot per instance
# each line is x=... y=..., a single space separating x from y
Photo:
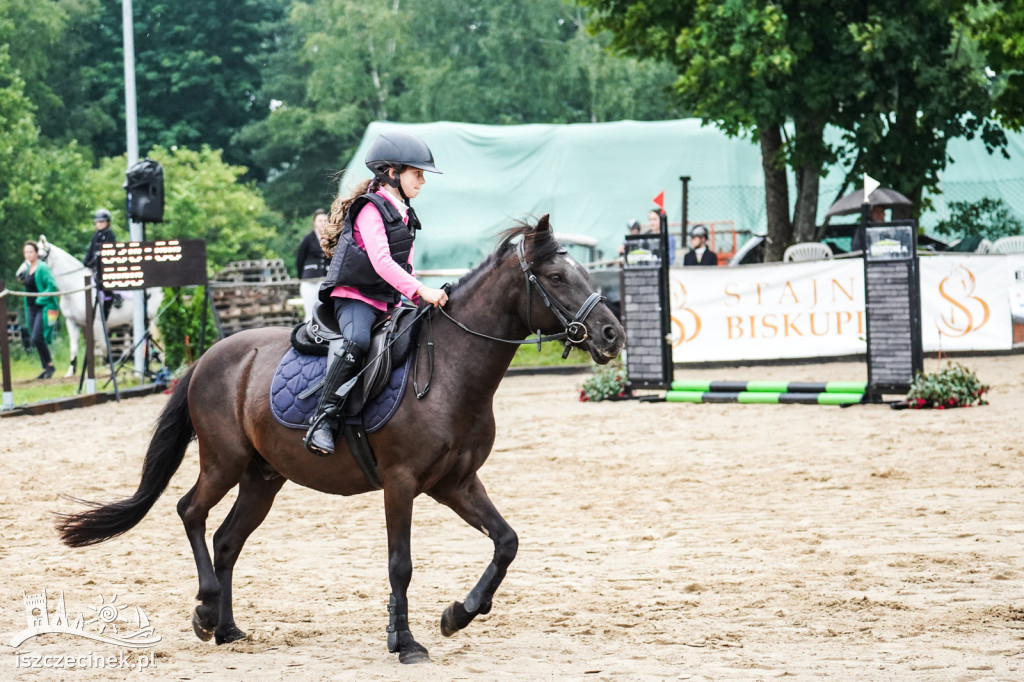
x=660 y=200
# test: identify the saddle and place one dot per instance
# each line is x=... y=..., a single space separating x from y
x=393 y=335
x=374 y=399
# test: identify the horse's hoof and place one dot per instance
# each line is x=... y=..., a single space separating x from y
x=455 y=618
x=232 y=634
x=448 y=626
x=201 y=632
x=414 y=655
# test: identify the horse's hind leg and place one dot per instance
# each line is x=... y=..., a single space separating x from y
x=472 y=504
x=193 y=509
x=255 y=497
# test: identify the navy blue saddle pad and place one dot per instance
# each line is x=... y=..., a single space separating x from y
x=296 y=372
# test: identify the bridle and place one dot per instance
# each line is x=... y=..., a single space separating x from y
x=45 y=259
x=575 y=331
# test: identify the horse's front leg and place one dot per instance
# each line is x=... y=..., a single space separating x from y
x=73 y=344
x=398 y=511
x=472 y=504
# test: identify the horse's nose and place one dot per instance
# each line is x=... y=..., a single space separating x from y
x=610 y=333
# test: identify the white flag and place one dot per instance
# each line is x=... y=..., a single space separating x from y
x=870 y=185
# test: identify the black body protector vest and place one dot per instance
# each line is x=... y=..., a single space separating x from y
x=351 y=266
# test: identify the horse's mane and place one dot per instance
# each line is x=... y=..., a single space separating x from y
x=540 y=246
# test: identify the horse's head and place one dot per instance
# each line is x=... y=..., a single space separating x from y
x=557 y=294
x=44 y=248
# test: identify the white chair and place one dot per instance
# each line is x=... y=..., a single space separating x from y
x=806 y=251
x=1009 y=245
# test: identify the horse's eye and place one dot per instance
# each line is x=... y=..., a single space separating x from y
x=555 y=277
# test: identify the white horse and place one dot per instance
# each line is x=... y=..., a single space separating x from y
x=70 y=275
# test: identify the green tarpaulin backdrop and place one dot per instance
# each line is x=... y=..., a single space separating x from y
x=592 y=178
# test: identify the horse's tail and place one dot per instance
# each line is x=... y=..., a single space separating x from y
x=174 y=432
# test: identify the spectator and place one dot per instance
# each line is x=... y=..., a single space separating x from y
x=632 y=227
x=311 y=263
x=40 y=311
x=657 y=222
x=699 y=254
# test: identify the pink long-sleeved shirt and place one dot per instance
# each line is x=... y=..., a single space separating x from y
x=368 y=232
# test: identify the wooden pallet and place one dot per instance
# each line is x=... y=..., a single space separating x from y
x=121 y=340
x=253 y=294
x=265 y=270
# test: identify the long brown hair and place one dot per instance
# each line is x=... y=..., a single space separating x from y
x=329 y=236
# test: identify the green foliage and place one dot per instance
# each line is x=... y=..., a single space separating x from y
x=550 y=355
x=608 y=382
x=197 y=69
x=37 y=180
x=204 y=199
x=999 y=29
x=988 y=218
x=180 y=324
x=344 y=64
x=33 y=32
x=900 y=82
x=953 y=386
x=922 y=80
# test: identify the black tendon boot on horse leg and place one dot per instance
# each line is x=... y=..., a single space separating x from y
x=344 y=361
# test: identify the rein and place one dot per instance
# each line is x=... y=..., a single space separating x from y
x=575 y=332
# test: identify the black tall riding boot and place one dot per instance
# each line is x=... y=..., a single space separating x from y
x=344 y=361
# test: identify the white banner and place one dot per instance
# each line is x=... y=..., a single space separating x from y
x=762 y=312
x=816 y=309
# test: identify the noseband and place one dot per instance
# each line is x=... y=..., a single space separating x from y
x=575 y=331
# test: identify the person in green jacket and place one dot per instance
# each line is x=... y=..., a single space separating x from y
x=40 y=311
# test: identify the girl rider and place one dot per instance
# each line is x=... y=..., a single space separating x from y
x=370 y=242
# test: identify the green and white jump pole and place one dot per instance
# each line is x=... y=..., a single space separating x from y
x=768 y=392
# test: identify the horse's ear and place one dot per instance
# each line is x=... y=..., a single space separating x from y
x=543 y=225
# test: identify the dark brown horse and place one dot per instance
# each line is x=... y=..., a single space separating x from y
x=433 y=446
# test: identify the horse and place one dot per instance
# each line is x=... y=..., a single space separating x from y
x=434 y=445
x=69 y=272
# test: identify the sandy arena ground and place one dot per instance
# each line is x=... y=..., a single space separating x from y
x=657 y=541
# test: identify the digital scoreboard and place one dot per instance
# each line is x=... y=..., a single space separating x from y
x=161 y=263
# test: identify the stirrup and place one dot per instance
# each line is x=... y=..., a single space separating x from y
x=315 y=429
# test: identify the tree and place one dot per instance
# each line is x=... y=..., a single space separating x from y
x=999 y=29
x=34 y=177
x=987 y=218
x=33 y=33
x=780 y=72
x=344 y=64
x=916 y=96
x=197 y=68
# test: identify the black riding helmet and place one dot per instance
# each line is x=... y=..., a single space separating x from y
x=101 y=214
x=395 y=149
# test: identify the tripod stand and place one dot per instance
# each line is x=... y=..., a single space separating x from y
x=153 y=348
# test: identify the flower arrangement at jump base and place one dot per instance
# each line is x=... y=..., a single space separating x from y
x=608 y=383
x=953 y=386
